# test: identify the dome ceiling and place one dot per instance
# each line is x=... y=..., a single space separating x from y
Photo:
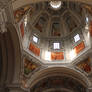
x=57 y=11
x=58 y=22
x=53 y=31
x=54 y=36
x=19 y=3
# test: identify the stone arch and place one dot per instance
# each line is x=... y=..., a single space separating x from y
x=16 y=61
x=51 y=71
x=11 y=56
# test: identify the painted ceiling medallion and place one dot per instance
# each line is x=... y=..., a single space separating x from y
x=55 y=4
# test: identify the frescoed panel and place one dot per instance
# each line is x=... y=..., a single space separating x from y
x=85 y=65
x=18 y=14
x=34 y=49
x=55 y=29
x=79 y=47
x=22 y=29
x=76 y=7
x=90 y=28
x=57 y=56
x=58 y=82
x=70 y=21
x=40 y=24
x=29 y=66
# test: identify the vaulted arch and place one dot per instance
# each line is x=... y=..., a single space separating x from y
x=58 y=71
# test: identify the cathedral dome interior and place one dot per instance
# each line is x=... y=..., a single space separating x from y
x=51 y=33
x=46 y=46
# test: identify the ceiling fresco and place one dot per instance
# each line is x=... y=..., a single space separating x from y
x=41 y=24
x=49 y=13
x=29 y=66
x=18 y=14
x=58 y=82
x=85 y=65
x=49 y=26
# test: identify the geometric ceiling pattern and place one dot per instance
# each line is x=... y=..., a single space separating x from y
x=54 y=37
x=51 y=26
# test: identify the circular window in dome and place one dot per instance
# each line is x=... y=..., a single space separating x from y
x=55 y=4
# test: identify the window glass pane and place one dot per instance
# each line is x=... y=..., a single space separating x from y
x=35 y=39
x=56 y=45
x=55 y=4
x=76 y=38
